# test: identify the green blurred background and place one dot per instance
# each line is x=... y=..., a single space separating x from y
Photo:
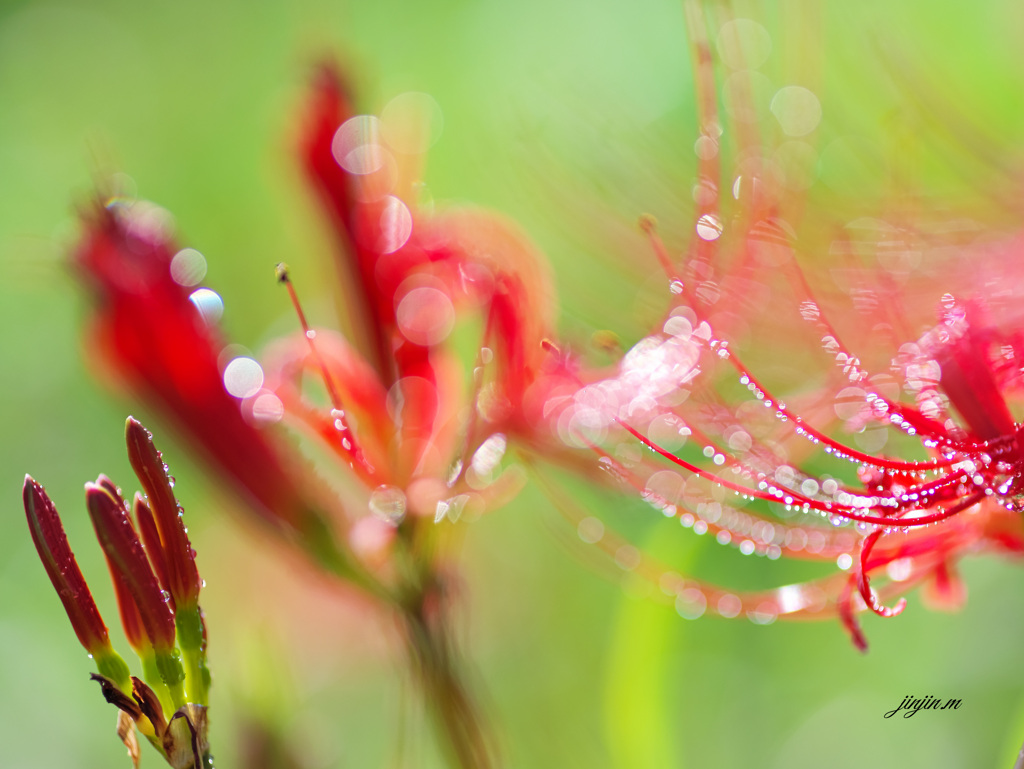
x=560 y=114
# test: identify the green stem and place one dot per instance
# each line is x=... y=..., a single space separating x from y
x=447 y=698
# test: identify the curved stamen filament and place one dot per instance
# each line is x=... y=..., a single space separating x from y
x=829 y=508
x=831 y=548
x=767 y=605
x=650 y=228
x=923 y=548
x=347 y=439
x=922 y=424
x=865 y=588
x=740 y=466
x=818 y=436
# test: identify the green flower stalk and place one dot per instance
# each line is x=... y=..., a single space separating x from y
x=157 y=587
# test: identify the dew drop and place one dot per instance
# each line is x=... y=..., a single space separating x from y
x=388 y=504
x=729 y=605
x=691 y=603
x=395 y=225
x=267 y=408
x=709 y=227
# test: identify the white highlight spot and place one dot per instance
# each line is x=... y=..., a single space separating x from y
x=356 y=145
x=487 y=458
x=209 y=304
x=691 y=603
x=267 y=408
x=729 y=605
x=243 y=377
x=590 y=530
x=709 y=227
x=395 y=225
x=425 y=315
x=744 y=44
x=797 y=110
x=188 y=267
x=411 y=122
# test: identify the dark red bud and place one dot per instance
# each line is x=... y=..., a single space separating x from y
x=151 y=541
x=126 y=556
x=131 y=618
x=55 y=553
x=182 y=576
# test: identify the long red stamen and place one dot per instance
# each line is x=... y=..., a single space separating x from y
x=345 y=435
x=709 y=166
x=829 y=508
x=865 y=588
x=650 y=227
x=818 y=436
x=924 y=426
x=729 y=461
x=788 y=602
x=828 y=552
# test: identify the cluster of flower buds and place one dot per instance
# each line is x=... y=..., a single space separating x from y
x=157 y=585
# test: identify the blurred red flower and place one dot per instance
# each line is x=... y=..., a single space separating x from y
x=747 y=437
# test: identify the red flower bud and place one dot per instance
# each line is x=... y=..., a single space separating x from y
x=126 y=556
x=52 y=546
x=181 y=573
x=150 y=536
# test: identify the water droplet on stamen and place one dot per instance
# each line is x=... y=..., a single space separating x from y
x=709 y=227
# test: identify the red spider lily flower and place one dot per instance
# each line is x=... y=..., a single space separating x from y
x=417 y=439
x=151 y=329
x=410 y=278
x=161 y=632
x=157 y=339
x=411 y=268
x=759 y=466
x=398 y=417
x=719 y=468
